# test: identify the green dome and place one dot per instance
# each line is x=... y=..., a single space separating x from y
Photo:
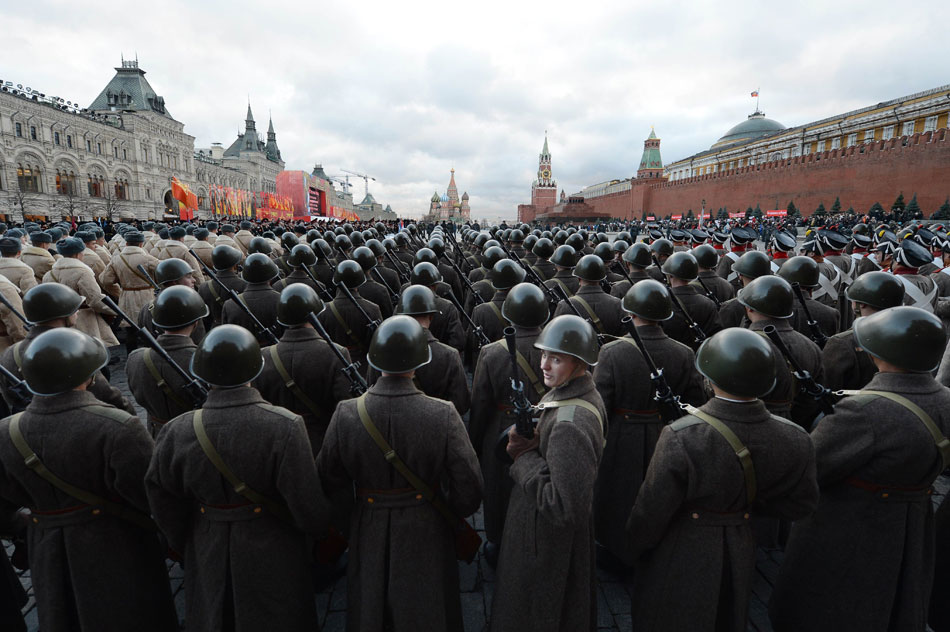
x=754 y=127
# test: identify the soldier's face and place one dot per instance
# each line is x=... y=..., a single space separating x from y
x=559 y=368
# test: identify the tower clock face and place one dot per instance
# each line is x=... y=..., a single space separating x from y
x=546 y=173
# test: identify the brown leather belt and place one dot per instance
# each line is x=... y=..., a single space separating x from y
x=709 y=518
x=391 y=498
x=894 y=493
x=230 y=513
x=66 y=517
x=136 y=288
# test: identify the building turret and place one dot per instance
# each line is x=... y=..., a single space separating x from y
x=250 y=131
x=651 y=164
x=273 y=152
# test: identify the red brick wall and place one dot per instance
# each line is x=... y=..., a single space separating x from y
x=915 y=164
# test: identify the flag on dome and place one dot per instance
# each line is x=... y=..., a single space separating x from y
x=755 y=93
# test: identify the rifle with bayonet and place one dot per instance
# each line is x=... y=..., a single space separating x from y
x=393 y=296
x=465 y=280
x=667 y=403
x=709 y=293
x=371 y=322
x=350 y=369
x=459 y=252
x=195 y=388
x=258 y=325
x=523 y=410
x=816 y=333
x=26 y=324
x=821 y=394
x=398 y=266
x=480 y=335
x=321 y=291
x=698 y=334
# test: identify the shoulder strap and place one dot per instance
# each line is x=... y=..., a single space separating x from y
x=590 y=312
x=133 y=270
x=942 y=443
x=567 y=292
x=529 y=373
x=497 y=311
x=343 y=323
x=213 y=288
x=574 y=401
x=33 y=462
x=393 y=459
x=745 y=457
x=17 y=357
x=160 y=381
x=732 y=255
x=239 y=486
x=290 y=383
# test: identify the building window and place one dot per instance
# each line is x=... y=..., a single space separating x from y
x=145 y=154
x=56 y=137
x=121 y=189
x=125 y=154
x=28 y=178
x=19 y=130
x=99 y=148
x=65 y=183
x=852 y=140
x=148 y=194
x=908 y=129
x=88 y=145
x=115 y=152
x=836 y=143
x=888 y=132
x=821 y=145
x=806 y=149
x=94 y=184
x=930 y=124
x=69 y=141
x=32 y=132
x=869 y=135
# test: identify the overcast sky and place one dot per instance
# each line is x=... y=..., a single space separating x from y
x=404 y=91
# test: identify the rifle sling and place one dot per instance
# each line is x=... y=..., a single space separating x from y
x=160 y=381
x=530 y=374
x=567 y=292
x=33 y=462
x=590 y=312
x=495 y=308
x=343 y=323
x=133 y=270
x=239 y=486
x=574 y=401
x=942 y=443
x=290 y=383
x=742 y=452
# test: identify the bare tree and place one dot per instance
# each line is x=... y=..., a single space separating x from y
x=21 y=199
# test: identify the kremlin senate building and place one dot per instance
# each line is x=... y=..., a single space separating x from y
x=868 y=155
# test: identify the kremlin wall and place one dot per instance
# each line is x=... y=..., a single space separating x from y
x=770 y=167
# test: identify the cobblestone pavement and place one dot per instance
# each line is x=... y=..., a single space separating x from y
x=477 y=580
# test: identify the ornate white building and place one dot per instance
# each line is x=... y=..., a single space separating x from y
x=116 y=158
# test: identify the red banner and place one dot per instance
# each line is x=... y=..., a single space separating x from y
x=187 y=201
x=737 y=215
x=651 y=218
x=777 y=213
x=677 y=217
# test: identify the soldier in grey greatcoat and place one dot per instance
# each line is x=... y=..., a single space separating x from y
x=681 y=269
x=504 y=275
x=402 y=572
x=691 y=527
x=591 y=301
x=343 y=320
x=225 y=260
x=258 y=296
x=870 y=545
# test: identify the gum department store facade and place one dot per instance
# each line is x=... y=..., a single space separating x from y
x=115 y=159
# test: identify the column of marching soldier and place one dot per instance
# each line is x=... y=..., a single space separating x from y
x=662 y=405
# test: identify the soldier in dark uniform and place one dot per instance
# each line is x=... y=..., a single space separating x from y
x=590 y=299
x=298 y=260
x=258 y=295
x=919 y=290
x=691 y=524
x=402 y=572
x=860 y=245
x=546 y=577
x=525 y=307
x=240 y=516
x=51 y=306
x=384 y=273
x=95 y=557
x=483 y=286
x=606 y=254
x=372 y=290
x=323 y=268
x=847 y=366
x=871 y=541
x=780 y=245
x=768 y=300
x=830 y=276
x=343 y=320
x=156 y=386
x=707 y=258
x=660 y=251
x=443 y=377
x=226 y=259
x=749 y=267
x=301 y=373
x=636 y=260
x=564 y=260
x=169 y=273
x=805 y=272
x=504 y=275
x=446 y=325
x=741 y=240
x=681 y=269
x=543 y=249
x=437 y=246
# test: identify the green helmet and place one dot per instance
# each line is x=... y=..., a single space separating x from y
x=343 y=243
x=753 y=264
x=543 y=248
x=560 y=237
x=907 y=337
x=301 y=255
x=576 y=241
x=425 y=273
x=506 y=274
x=228 y=356
x=365 y=257
x=649 y=300
x=259 y=268
x=61 y=359
x=590 y=268
x=516 y=236
x=401 y=239
x=379 y=250
x=349 y=273
x=706 y=256
x=225 y=257
x=425 y=254
x=618 y=246
x=259 y=245
x=491 y=256
x=604 y=251
x=769 y=295
x=571 y=335
x=176 y=307
x=526 y=306
x=681 y=265
x=662 y=247
x=288 y=240
x=738 y=361
x=802 y=270
x=357 y=239
x=170 y=270
x=878 y=289
x=639 y=255
x=49 y=301
x=437 y=246
x=297 y=301
x=399 y=345
x=530 y=242
x=417 y=300
x=321 y=248
x=564 y=257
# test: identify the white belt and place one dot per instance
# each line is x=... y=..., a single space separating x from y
x=828 y=286
x=917 y=295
